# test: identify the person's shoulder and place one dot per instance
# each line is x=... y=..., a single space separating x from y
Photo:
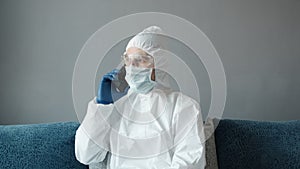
x=183 y=99
x=180 y=95
x=175 y=96
x=184 y=106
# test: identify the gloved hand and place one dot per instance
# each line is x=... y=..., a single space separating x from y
x=107 y=92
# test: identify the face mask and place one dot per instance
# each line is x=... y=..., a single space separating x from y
x=139 y=79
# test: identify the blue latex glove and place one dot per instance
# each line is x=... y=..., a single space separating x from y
x=107 y=92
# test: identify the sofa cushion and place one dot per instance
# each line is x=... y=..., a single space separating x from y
x=258 y=144
x=48 y=145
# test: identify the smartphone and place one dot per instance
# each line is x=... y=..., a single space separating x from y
x=120 y=82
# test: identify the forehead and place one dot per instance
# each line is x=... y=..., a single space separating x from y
x=134 y=50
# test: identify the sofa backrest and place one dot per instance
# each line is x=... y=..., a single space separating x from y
x=258 y=144
x=239 y=144
x=45 y=146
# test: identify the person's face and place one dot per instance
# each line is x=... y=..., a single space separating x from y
x=143 y=64
x=137 y=57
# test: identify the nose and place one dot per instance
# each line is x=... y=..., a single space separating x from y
x=134 y=63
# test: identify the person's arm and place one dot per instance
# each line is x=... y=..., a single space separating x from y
x=189 y=151
x=92 y=128
x=189 y=144
x=92 y=136
x=86 y=150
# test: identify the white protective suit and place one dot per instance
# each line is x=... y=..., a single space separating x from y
x=158 y=130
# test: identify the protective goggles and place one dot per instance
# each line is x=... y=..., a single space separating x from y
x=138 y=60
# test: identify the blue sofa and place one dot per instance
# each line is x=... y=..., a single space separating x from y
x=39 y=146
x=240 y=144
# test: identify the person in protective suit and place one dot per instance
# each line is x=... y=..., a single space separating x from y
x=146 y=126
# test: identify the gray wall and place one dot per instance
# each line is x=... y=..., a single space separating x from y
x=258 y=42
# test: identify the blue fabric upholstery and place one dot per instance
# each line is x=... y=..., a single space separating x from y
x=39 y=146
x=240 y=144
x=244 y=144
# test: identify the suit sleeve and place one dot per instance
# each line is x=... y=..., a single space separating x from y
x=86 y=150
x=92 y=136
x=189 y=140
